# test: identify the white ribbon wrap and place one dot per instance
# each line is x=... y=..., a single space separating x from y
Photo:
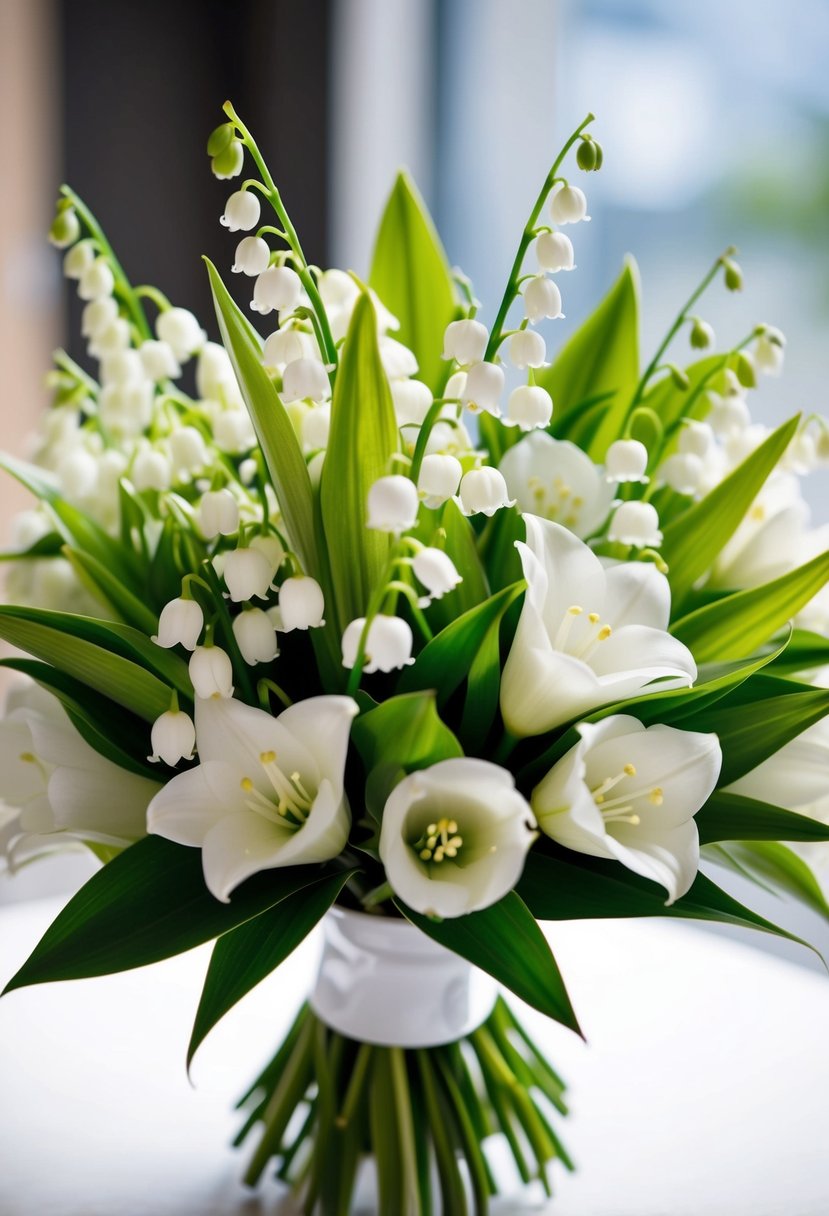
x=382 y=981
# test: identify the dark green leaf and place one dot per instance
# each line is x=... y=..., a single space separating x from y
x=775 y=868
x=728 y=816
x=101 y=581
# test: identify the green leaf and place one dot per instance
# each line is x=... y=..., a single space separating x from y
x=601 y=357
x=274 y=429
x=483 y=686
x=728 y=816
x=148 y=904
x=243 y=957
x=692 y=540
x=362 y=440
x=805 y=651
x=737 y=625
x=774 y=867
x=459 y=543
x=102 y=582
x=670 y=402
x=411 y=275
x=505 y=941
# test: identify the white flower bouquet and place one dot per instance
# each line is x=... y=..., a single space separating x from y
x=392 y=622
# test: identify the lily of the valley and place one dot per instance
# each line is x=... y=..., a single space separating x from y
x=301 y=604
x=388 y=643
x=568 y=205
x=255 y=636
x=635 y=523
x=180 y=624
x=626 y=460
x=529 y=406
x=455 y=837
x=218 y=514
x=278 y=287
x=211 y=672
x=542 y=298
x=587 y=635
x=527 y=349
x=438 y=480
x=247 y=573
x=483 y=491
x=267 y=792
x=465 y=341
x=554 y=252
x=242 y=211
x=630 y=792
x=180 y=329
x=173 y=737
x=392 y=504
x=483 y=388
x=436 y=570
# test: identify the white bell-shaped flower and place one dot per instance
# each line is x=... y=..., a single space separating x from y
x=215 y=378
x=527 y=349
x=271 y=548
x=568 y=205
x=188 y=450
x=635 y=523
x=278 y=287
x=542 y=298
x=78 y=473
x=229 y=162
x=78 y=259
x=233 y=431
x=554 y=252
x=483 y=388
x=626 y=460
x=455 y=837
x=305 y=380
x=682 y=472
x=173 y=737
x=252 y=256
x=465 y=341
x=242 y=211
x=436 y=571
x=769 y=351
x=122 y=367
x=218 y=514
x=529 y=406
x=247 y=573
x=211 y=672
x=412 y=401
x=392 y=504
x=728 y=414
x=255 y=636
x=97 y=281
x=180 y=624
x=398 y=361
x=301 y=604
x=151 y=470
x=438 y=479
x=696 y=438
x=98 y=315
x=388 y=644
x=285 y=346
x=116 y=336
x=316 y=427
x=484 y=491
x=158 y=360
x=630 y=792
x=180 y=330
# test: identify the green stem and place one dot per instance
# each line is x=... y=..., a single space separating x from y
x=67 y=364
x=432 y=415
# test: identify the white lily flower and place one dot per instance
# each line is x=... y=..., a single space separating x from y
x=557 y=480
x=305 y=380
x=388 y=644
x=278 y=287
x=247 y=573
x=122 y=367
x=173 y=737
x=455 y=837
x=301 y=604
x=218 y=514
x=630 y=792
x=436 y=570
x=180 y=624
x=483 y=388
x=587 y=635
x=483 y=491
x=438 y=479
x=392 y=504
x=626 y=460
x=542 y=299
x=253 y=254
x=268 y=792
x=242 y=211
x=793 y=777
x=180 y=330
x=772 y=537
x=211 y=672
x=554 y=252
x=635 y=523
x=255 y=636
x=465 y=341
x=529 y=406
x=527 y=349
x=568 y=205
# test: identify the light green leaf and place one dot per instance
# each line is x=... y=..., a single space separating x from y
x=411 y=275
x=460 y=545
x=505 y=941
x=774 y=867
x=362 y=440
x=693 y=539
x=728 y=816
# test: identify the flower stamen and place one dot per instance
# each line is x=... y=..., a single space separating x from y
x=439 y=841
x=292 y=802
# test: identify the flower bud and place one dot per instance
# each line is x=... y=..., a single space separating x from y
x=436 y=570
x=529 y=406
x=305 y=380
x=568 y=205
x=702 y=334
x=98 y=315
x=229 y=162
x=97 y=281
x=682 y=472
x=301 y=604
x=484 y=491
x=247 y=573
x=542 y=298
x=527 y=349
x=66 y=226
x=188 y=449
x=180 y=624
x=554 y=252
x=438 y=480
x=392 y=504
x=255 y=636
x=180 y=330
x=158 y=361
x=626 y=460
x=242 y=211
x=278 y=287
x=587 y=156
x=769 y=351
x=286 y=346
x=233 y=431
x=220 y=138
x=733 y=275
x=745 y=370
x=78 y=259
x=465 y=341
x=252 y=256
x=483 y=388
x=412 y=401
x=635 y=523
x=211 y=672
x=388 y=645
x=173 y=738
x=679 y=377
x=151 y=471
x=218 y=514
x=695 y=438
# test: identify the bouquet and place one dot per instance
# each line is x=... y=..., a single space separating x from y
x=389 y=621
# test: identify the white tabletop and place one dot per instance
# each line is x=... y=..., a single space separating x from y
x=703 y=1091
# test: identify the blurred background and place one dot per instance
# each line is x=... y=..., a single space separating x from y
x=713 y=115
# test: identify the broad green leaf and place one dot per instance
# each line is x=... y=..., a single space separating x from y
x=804 y=652
x=274 y=429
x=774 y=867
x=460 y=544
x=586 y=888
x=48 y=546
x=362 y=440
x=100 y=580
x=737 y=625
x=148 y=904
x=411 y=275
x=601 y=357
x=505 y=941
x=244 y=956
x=692 y=540
x=444 y=662
x=497 y=546
x=728 y=816
x=671 y=403
x=123 y=681
x=483 y=686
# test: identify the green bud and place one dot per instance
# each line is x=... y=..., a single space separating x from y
x=229 y=162
x=599 y=156
x=702 y=335
x=745 y=370
x=66 y=227
x=219 y=139
x=679 y=378
x=733 y=275
x=586 y=154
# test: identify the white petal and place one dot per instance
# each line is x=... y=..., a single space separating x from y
x=238 y=734
x=642 y=654
x=112 y=803
x=673 y=861
x=188 y=806
x=638 y=594
x=238 y=846
x=323 y=725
